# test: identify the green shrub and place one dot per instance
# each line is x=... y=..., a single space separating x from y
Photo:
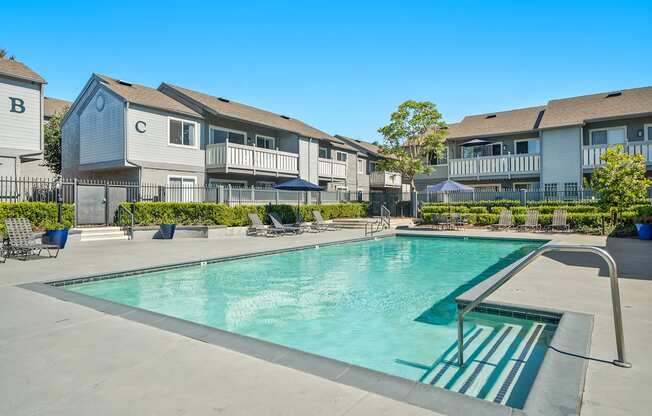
x=199 y=213
x=40 y=214
x=486 y=204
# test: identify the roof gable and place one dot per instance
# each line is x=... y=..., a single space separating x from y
x=19 y=70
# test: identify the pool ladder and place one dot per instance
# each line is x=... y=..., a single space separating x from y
x=524 y=262
x=383 y=222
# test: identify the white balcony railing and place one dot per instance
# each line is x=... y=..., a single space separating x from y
x=329 y=168
x=506 y=165
x=591 y=154
x=230 y=155
x=381 y=179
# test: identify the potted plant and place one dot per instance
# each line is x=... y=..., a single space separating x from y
x=56 y=233
x=167 y=227
x=644 y=227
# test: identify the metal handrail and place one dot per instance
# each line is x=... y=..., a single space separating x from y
x=131 y=216
x=385 y=215
x=615 y=295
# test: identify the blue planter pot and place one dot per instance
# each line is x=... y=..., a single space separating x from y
x=167 y=231
x=644 y=231
x=58 y=237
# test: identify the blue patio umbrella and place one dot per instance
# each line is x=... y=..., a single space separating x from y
x=448 y=186
x=298 y=185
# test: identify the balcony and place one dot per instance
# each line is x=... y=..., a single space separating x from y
x=385 y=180
x=230 y=156
x=591 y=154
x=331 y=169
x=493 y=166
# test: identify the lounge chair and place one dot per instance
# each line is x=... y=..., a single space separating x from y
x=278 y=226
x=559 y=223
x=531 y=220
x=456 y=220
x=301 y=223
x=321 y=224
x=505 y=221
x=21 y=240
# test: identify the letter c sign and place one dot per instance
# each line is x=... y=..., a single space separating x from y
x=17 y=105
x=140 y=126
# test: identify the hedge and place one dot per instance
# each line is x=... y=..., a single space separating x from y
x=549 y=209
x=486 y=204
x=200 y=213
x=42 y=215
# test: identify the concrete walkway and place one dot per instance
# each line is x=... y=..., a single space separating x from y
x=61 y=358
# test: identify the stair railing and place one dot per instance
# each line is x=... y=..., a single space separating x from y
x=382 y=223
x=621 y=361
x=130 y=228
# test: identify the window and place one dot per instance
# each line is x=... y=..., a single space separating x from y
x=324 y=153
x=613 y=135
x=265 y=142
x=265 y=184
x=550 y=190
x=181 y=189
x=225 y=183
x=182 y=133
x=341 y=156
x=373 y=167
x=491 y=149
x=529 y=146
x=647 y=132
x=434 y=159
x=361 y=166
x=222 y=135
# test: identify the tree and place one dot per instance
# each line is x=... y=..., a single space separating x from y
x=4 y=53
x=52 y=142
x=416 y=131
x=620 y=181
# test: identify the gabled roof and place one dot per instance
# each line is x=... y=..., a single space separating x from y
x=145 y=96
x=521 y=120
x=52 y=106
x=579 y=110
x=367 y=148
x=231 y=109
x=19 y=70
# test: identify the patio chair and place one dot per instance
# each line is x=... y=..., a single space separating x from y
x=457 y=220
x=505 y=221
x=283 y=228
x=559 y=218
x=531 y=221
x=323 y=225
x=301 y=223
x=20 y=240
x=256 y=227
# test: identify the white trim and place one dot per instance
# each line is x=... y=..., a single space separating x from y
x=262 y=136
x=527 y=140
x=646 y=135
x=606 y=129
x=214 y=127
x=364 y=165
x=196 y=133
x=183 y=178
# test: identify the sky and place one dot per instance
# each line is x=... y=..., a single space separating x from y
x=341 y=66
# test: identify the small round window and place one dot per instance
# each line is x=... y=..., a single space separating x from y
x=99 y=102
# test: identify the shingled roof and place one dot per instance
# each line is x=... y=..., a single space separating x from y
x=231 y=109
x=19 y=70
x=146 y=96
x=578 y=110
x=361 y=145
x=521 y=120
x=52 y=106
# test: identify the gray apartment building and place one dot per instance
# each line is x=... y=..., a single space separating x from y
x=554 y=147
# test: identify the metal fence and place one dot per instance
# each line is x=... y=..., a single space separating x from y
x=23 y=189
x=525 y=196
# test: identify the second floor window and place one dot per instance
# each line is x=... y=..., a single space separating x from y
x=607 y=136
x=182 y=133
x=361 y=166
x=324 y=153
x=529 y=146
x=220 y=135
x=491 y=149
x=265 y=142
x=341 y=156
x=373 y=167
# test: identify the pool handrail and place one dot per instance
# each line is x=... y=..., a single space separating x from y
x=621 y=361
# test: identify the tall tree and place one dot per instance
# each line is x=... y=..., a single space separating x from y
x=620 y=181
x=52 y=142
x=3 y=54
x=416 y=131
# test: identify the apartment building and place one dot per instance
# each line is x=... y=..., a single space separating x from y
x=554 y=147
x=21 y=115
x=173 y=135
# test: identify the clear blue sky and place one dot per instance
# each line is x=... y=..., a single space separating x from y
x=342 y=66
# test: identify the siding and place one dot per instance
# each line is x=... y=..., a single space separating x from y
x=70 y=147
x=152 y=146
x=561 y=156
x=101 y=132
x=308 y=160
x=20 y=130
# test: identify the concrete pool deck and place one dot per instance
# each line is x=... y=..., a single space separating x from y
x=62 y=358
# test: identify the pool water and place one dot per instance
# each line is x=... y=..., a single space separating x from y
x=385 y=304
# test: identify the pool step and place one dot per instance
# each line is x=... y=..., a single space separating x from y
x=494 y=360
x=103 y=234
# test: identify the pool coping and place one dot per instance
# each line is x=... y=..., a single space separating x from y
x=547 y=392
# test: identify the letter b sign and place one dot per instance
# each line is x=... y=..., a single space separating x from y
x=17 y=105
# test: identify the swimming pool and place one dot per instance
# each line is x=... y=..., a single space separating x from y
x=385 y=304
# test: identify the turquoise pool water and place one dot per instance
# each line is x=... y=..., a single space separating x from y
x=385 y=304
